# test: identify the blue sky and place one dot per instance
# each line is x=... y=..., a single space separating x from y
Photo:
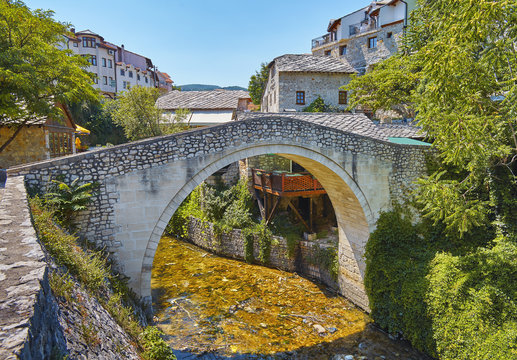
x=201 y=41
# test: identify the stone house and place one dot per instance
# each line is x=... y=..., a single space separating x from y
x=207 y=107
x=366 y=36
x=40 y=139
x=297 y=80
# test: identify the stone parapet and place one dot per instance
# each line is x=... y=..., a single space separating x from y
x=28 y=313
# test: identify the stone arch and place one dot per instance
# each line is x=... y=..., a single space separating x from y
x=353 y=213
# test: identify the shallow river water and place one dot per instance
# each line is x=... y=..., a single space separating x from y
x=216 y=308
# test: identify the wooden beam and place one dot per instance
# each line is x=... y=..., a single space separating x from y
x=299 y=216
x=260 y=204
x=273 y=210
x=310 y=214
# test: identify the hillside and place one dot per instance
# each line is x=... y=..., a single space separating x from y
x=204 y=87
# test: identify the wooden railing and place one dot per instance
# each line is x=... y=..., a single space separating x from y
x=285 y=182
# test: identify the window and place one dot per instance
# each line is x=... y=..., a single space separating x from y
x=96 y=80
x=342 y=50
x=138 y=76
x=93 y=60
x=110 y=52
x=389 y=35
x=110 y=63
x=88 y=42
x=372 y=42
x=327 y=53
x=126 y=85
x=146 y=80
x=343 y=97
x=103 y=62
x=112 y=83
x=300 y=98
x=130 y=74
x=105 y=80
x=76 y=44
x=122 y=72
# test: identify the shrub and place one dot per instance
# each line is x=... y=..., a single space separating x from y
x=68 y=200
x=155 y=347
x=472 y=302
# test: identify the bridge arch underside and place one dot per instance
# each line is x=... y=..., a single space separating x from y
x=353 y=213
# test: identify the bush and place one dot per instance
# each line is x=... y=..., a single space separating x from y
x=472 y=302
x=155 y=347
x=396 y=267
x=451 y=299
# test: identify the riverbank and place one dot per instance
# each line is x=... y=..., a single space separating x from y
x=212 y=305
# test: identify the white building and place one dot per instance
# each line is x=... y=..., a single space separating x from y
x=117 y=69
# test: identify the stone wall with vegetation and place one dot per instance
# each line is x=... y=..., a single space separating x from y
x=306 y=257
x=55 y=300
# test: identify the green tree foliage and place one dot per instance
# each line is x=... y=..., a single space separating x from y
x=390 y=86
x=257 y=84
x=34 y=73
x=448 y=283
x=97 y=118
x=319 y=105
x=136 y=112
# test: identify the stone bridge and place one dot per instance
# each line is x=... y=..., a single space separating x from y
x=143 y=183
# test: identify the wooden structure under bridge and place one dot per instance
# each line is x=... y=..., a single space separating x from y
x=276 y=185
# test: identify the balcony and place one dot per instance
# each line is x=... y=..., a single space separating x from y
x=323 y=40
x=286 y=184
x=363 y=27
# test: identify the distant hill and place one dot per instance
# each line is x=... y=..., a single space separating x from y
x=203 y=87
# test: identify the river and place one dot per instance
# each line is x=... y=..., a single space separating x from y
x=211 y=307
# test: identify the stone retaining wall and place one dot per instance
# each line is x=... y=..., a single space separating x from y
x=33 y=324
x=232 y=245
x=28 y=312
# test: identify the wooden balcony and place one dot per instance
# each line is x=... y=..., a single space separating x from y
x=286 y=184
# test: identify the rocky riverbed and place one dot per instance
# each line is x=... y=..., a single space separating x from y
x=212 y=307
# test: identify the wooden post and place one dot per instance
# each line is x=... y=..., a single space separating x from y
x=273 y=210
x=310 y=214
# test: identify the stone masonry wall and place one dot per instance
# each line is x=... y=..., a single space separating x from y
x=325 y=85
x=358 y=54
x=29 y=328
x=232 y=245
x=28 y=146
x=33 y=323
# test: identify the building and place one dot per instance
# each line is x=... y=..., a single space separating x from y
x=163 y=81
x=41 y=139
x=297 y=80
x=100 y=55
x=366 y=36
x=117 y=69
x=206 y=107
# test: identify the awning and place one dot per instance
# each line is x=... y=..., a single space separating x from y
x=81 y=131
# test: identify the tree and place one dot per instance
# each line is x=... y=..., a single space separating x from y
x=34 y=73
x=97 y=118
x=257 y=84
x=136 y=112
x=389 y=87
x=319 y=105
x=457 y=74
